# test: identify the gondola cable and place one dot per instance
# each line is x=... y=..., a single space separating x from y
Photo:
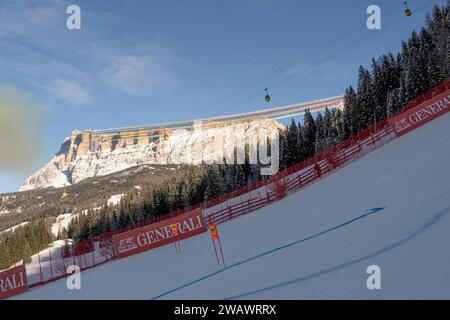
x=281 y=68
x=287 y=78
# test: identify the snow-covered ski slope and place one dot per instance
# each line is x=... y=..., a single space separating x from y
x=316 y=243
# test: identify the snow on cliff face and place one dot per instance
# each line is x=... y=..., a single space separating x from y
x=48 y=176
x=87 y=155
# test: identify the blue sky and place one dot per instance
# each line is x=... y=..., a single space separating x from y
x=141 y=62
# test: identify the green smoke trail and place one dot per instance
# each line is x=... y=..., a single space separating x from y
x=21 y=129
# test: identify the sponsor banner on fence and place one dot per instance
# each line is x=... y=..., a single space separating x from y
x=159 y=234
x=13 y=281
x=421 y=114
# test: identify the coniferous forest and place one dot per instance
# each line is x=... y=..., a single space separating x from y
x=389 y=83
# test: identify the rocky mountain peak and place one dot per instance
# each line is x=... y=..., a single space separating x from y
x=88 y=153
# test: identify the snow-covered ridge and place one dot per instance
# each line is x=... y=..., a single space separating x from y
x=85 y=155
x=12 y=229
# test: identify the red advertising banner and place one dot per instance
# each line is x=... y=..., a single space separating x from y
x=13 y=281
x=159 y=234
x=421 y=114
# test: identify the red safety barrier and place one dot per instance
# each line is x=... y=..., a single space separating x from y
x=13 y=281
x=159 y=234
x=421 y=114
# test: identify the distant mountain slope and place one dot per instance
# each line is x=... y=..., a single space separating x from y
x=91 y=193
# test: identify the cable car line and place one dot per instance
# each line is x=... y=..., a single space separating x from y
x=287 y=78
x=290 y=76
x=285 y=66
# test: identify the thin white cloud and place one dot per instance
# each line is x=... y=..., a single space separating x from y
x=43 y=15
x=144 y=72
x=68 y=90
x=37 y=47
x=32 y=18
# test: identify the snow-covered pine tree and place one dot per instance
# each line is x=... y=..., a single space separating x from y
x=429 y=57
x=402 y=79
x=338 y=122
x=215 y=184
x=379 y=89
x=230 y=178
x=447 y=57
x=320 y=134
x=310 y=129
x=350 y=121
x=415 y=78
x=292 y=144
x=301 y=142
x=239 y=179
x=393 y=102
x=283 y=148
x=366 y=100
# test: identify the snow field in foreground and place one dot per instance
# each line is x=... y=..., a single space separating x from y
x=408 y=239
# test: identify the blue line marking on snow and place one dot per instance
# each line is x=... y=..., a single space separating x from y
x=290 y=244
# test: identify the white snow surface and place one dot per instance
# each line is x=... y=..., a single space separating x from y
x=408 y=239
x=115 y=199
x=14 y=227
x=62 y=222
